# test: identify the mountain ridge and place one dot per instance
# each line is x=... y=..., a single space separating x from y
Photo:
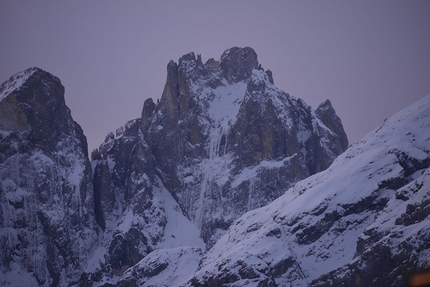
x=226 y=174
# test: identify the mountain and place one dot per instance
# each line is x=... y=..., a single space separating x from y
x=47 y=224
x=225 y=181
x=161 y=191
x=221 y=141
x=365 y=221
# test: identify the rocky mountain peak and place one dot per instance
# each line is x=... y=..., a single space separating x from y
x=190 y=57
x=218 y=136
x=33 y=101
x=47 y=224
x=237 y=63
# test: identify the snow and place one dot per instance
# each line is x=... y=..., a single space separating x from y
x=225 y=104
x=179 y=230
x=125 y=225
x=76 y=173
x=250 y=173
x=17 y=277
x=95 y=258
x=176 y=264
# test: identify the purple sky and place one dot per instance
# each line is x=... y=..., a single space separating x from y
x=370 y=58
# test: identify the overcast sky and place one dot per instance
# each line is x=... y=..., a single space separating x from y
x=370 y=58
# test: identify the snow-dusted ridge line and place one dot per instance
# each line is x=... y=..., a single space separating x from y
x=15 y=82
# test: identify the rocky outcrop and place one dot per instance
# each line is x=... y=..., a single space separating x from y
x=237 y=63
x=327 y=115
x=47 y=225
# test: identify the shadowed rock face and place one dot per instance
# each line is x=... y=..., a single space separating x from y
x=46 y=217
x=327 y=115
x=237 y=63
x=38 y=108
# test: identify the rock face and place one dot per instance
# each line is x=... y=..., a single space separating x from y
x=47 y=224
x=362 y=222
x=222 y=140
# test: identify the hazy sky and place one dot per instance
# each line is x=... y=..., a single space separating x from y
x=370 y=58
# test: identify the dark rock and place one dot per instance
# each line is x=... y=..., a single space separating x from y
x=148 y=108
x=104 y=197
x=237 y=63
x=124 y=251
x=327 y=115
x=270 y=75
x=312 y=233
x=47 y=217
x=212 y=63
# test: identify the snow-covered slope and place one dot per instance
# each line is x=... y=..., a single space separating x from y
x=163 y=267
x=365 y=221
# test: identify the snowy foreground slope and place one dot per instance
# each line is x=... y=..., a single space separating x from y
x=365 y=221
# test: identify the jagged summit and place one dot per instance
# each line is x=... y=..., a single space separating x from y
x=244 y=59
x=237 y=63
x=33 y=101
x=222 y=140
